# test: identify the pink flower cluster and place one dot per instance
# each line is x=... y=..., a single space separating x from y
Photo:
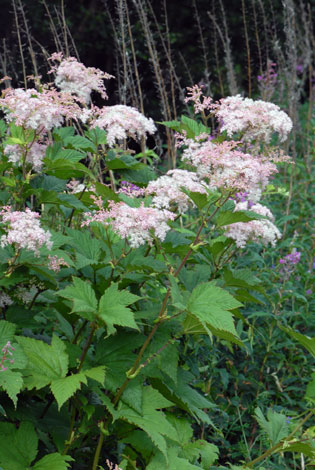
x=6 y=350
x=34 y=155
x=73 y=77
x=139 y=225
x=263 y=230
x=36 y=110
x=292 y=258
x=226 y=167
x=130 y=189
x=122 y=121
x=23 y=230
x=167 y=189
x=255 y=120
x=201 y=102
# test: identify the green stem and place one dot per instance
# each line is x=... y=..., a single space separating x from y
x=98 y=451
x=87 y=346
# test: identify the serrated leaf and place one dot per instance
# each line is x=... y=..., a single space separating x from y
x=96 y=373
x=18 y=448
x=212 y=305
x=275 y=425
x=7 y=331
x=301 y=448
x=113 y=308
x=200 y=199
x=45 y=362
x=54 y=461
x=80 y=143
x=229 y=217
x=64 y=388
x=83 y=297
x=12 y=383
x=310 y=389
x=201 y=448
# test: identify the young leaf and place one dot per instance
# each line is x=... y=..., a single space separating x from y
x=83 y=298
x=113 y=308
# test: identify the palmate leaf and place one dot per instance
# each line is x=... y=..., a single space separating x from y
x=113 y=308
x=152 y=421
x=275 y=425
x=211 y=305
x=18 y=447
x=45 y=362
x=65 y=387
x=83 y=297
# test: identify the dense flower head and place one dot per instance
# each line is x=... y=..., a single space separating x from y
x=138 y=225
x=5 y=300
x=23 y=230
x=36 y=110
x=167 y=189
x=227 y=167
x=255 y=120
x=55 y=263
x=34 y=155
x=73 y=77
x=122 y=121
x=259 y=231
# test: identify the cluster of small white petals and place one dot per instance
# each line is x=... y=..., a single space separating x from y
x=167 y=189
x=23 y=230
x=55 y=263
x=226 y=167
x=122 y=121
x=5 y=300
x=73 y=77
x=75 y=187
x=136 y=224
x=255 y=120
x=36 y=110
x=26 y=294
x=34 y=156
x=259 y=231
x=201 y=102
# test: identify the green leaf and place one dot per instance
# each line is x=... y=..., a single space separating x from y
x=229 y=217
x=211 y=305
x=53 y=462
x=113 y=308
x=174 y=462
x=83 y=298
x=275 y=425
x=12 y=383
x=301 y=448
x=96 y=373
x=18 y=448
x=80 y=143
x=7 y=331
x=175 y=125
x=46 y=363
x=201 y=448
x=306 y=341
x=65 y=387
x=153 y=422
x=310 y=389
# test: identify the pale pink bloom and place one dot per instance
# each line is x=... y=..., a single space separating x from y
x=167 y=189
x=138 y=225
x=40 y=111
x=259 y=231
x=5 y=300
x=255 y=120
x=55 y=263
x=201 y=102
x=112 y=466
x=34 y=155
x=226 y=167
x=23 y=230
x=122 y=121
x=73 y=77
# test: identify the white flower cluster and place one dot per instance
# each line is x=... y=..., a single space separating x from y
x=167 y=189
x=5 y=300
x=122 y=121
x=263 y=230
x=255 y=120
x=34 y=155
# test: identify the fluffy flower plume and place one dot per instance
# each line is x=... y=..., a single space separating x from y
x=73 y=77
x=5 y=300
x=55 y=263
x=136 y=224
x=227 y=167
x=259 y=231
x=256 y=120
x=122 y=121
x=36 y=110
x=23 y=230
x=34 y=155
x=167 y=189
